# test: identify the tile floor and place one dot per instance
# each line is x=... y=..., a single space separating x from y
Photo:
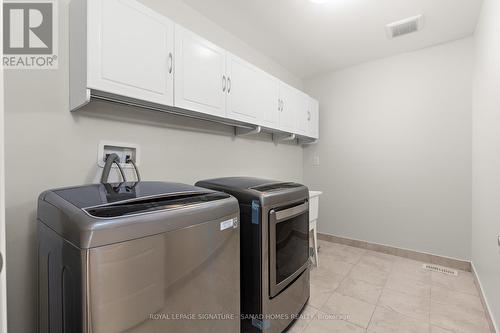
x=356 y=290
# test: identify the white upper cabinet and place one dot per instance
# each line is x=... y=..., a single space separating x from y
x=290 y=106
x=271 y=114
x=130 y=51
x=200 y=74
x=307 y=124
x=304 y=114
x=123 y=51
x=251 y=93
x=313 y=119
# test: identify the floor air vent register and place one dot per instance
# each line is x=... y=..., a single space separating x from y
x=440 y=269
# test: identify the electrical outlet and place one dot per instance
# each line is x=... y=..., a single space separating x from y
x=123 y=150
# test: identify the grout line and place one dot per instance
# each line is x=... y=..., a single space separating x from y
x=349 y=272
x=430 y=298
x=341 y=281
x=378 y=300
x=430 y=302
x=310 y=320
x=384 y=287
x=402 y=314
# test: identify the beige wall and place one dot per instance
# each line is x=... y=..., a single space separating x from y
x=47 y=147
x=3 y=275
x=486 y=157
x=395 y=150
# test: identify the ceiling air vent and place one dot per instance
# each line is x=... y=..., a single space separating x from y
x=405 y=26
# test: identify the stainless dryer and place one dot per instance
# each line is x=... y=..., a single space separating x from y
x=274 y=250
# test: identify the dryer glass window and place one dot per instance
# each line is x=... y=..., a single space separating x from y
x=288 y=244
x=292 y=246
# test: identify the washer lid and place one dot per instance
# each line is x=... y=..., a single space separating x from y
x=241 y=182
x=275 y=187
x=101 y=194
x=148 y=205
x=101 y=214
x=248 y=189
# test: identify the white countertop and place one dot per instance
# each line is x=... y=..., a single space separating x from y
x=313 y=194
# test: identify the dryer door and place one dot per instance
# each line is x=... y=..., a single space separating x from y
x=288 y=244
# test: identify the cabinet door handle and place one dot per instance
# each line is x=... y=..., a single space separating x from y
x=308 y=115
x=228 y=85
x=279 y=104
x=170 y=62
x=1 y=262
x=223 y=83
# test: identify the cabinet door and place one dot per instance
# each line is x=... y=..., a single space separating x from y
x=303 y=114
x=252 y=93
x=200 y=74
x=314 y=119
x=272 y=115
x=130 y=51
x=290 y=108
